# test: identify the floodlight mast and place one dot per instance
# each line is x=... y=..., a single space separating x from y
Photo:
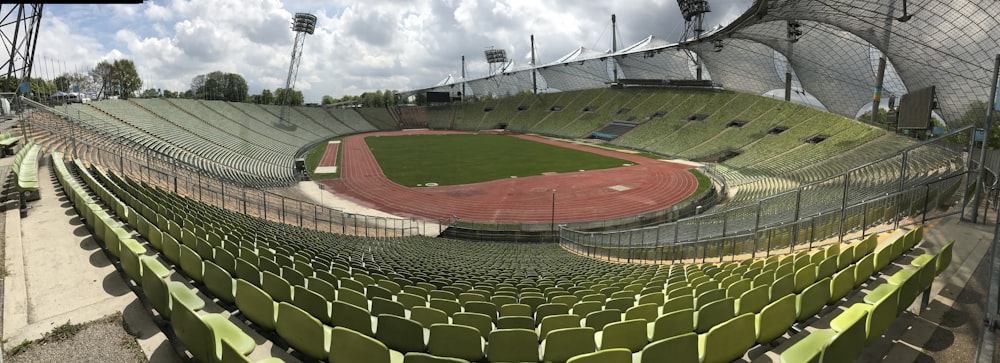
x=496 y=58
x=20 y=41
x=693 y=12
x=302 y=24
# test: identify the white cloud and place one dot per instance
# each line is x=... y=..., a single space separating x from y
x=357 y=46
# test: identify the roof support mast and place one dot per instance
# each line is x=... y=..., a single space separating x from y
x=534 y=80
x=614 y=47
x=693 y=12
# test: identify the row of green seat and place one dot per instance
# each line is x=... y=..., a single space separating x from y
x=8 y=140
x=862 y=323
x=206 y=335
x=25 y=171
x=820 y=263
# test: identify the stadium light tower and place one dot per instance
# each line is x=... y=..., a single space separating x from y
x=302 y=24
x=19 y=29
x=496 y=58
x=693 y=12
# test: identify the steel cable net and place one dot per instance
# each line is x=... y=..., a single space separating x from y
x=947 y=44
x=654 y=58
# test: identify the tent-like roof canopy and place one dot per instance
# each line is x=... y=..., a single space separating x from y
x=947 y=44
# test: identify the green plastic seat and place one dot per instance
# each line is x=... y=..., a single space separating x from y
x=850 y=339
x=804 y=277
x=410 y=301
x=353 y=297
x=158 y=292
x=775 y=319
x=277 y=287
x=909 y=286
x=942 y=261
x=130 y=252
x=682 y=348
x=614 y=355
x=781 y=287
x=560 y=321
x=812 y=299
x=219 y=282
x=256 y=305
x=753 y=300
x=841 y=284
x=350 y=316
x=515 y=310
x=628 y=334
x=480 y=322
x=599 y=319
x=312 y=303
x=303 y=332
x=678 y=303
x=549 y=309
x=622 y=303
x=882 y=311
x=672 y=324
x=247 y=271
x=322 y=287
x=727 y=341
x=708 y=297
x=385 y=306
x=171 y=249
x=863 y=270
x=516 y=322
x=232 y=355
x=584 y=308
x=450 y=307
x=419 y=357
x=827 y=267
x=883 y=257
x=428 y=316
x=738 y=287
x=458 y=341
x=349 y=346
x=482 y=307
x=657 y=298
x=512 y=345
x=372 y=291
x=400 y=334
x=647 y=312
x=562 y=344
x=202 y=335
x=713 y=314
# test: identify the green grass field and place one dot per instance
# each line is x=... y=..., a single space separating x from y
x=472 y=158
x=313 y=157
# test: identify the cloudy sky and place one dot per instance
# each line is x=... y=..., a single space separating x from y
x=358 y=46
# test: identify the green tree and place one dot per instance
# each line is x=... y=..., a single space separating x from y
x=118 y=78
x=328 y=100
x=220 y=86
x=150 y=93
x=879 y=119
x=295 y=97
x=170 y=94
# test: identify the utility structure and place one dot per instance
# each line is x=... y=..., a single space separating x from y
x=302 y=24
x=19 y=29
x=693 y=12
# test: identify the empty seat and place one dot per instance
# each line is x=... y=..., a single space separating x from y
x=562 y=344
x=458 y=341
x=303 y=332
x=727 y=341
x=350 y=346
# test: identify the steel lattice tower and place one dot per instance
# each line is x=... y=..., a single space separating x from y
x=302 y=24
x=19 y=32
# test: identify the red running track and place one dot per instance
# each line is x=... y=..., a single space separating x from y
x=330 y=155
x=653 y=185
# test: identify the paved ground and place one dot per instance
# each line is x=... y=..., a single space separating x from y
x=56 y=273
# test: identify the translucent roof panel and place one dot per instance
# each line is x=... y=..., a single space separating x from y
x=654 y=58
x=581 y=69
x=741 y=65
x=842 y=80
x=947 y=44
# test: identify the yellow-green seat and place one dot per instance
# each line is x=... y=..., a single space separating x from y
x=775 y=319
x=349 y=346
x=401 y=334
x=202 y=335
x=628 y=334
x=256 y=305
x=681 y=348
x=350 y=316
x=562 y=344
x=303 y=332
x=727 y=341
x=612 y=355
x=458 y=341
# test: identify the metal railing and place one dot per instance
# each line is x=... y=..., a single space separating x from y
x=116 y=153
x=883 y=192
